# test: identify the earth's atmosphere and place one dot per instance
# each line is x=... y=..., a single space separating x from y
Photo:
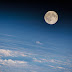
x=29 y=44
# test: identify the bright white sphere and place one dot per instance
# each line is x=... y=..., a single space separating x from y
x=51 y=17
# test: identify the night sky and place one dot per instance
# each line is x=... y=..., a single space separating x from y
x=28 y=43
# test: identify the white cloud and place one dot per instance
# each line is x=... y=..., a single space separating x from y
x=7 y=35
x=44 y=60
x=11 y=62
x=51 y=66
x=5 y=52
x=38 y=42
x=36 y=60
x=60 y=67
x=55 y=67
x=52 y=60
x=12 y=53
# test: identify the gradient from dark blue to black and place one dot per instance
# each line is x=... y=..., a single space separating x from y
x=23 y=15
x=35 y=10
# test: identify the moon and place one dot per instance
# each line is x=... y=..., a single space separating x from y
x=51 y=17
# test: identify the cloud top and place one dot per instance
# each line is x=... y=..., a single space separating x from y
x=6 y=53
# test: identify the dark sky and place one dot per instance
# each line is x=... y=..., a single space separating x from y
x=63 y=7
x=36 y=9
x=39 y=4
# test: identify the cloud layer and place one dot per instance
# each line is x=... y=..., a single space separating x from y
x=11 y=62
x=35 y=57
x=4 y=52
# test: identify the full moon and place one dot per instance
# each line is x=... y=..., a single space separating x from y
x=51 y=17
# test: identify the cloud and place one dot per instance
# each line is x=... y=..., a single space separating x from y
x=38 y=42
x=5 y=52
x=7 y=35
x=51 y=66
x=55 y=67
x=36 y=60
x=60 y=67
x=52 y=60
x=12 y=53
x=11 y=62
x=41 y=60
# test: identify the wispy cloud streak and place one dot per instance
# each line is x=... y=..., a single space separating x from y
x=6 y=53
x=11 y=62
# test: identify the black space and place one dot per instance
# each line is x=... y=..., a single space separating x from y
x=43 y=4
x=63 y=8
